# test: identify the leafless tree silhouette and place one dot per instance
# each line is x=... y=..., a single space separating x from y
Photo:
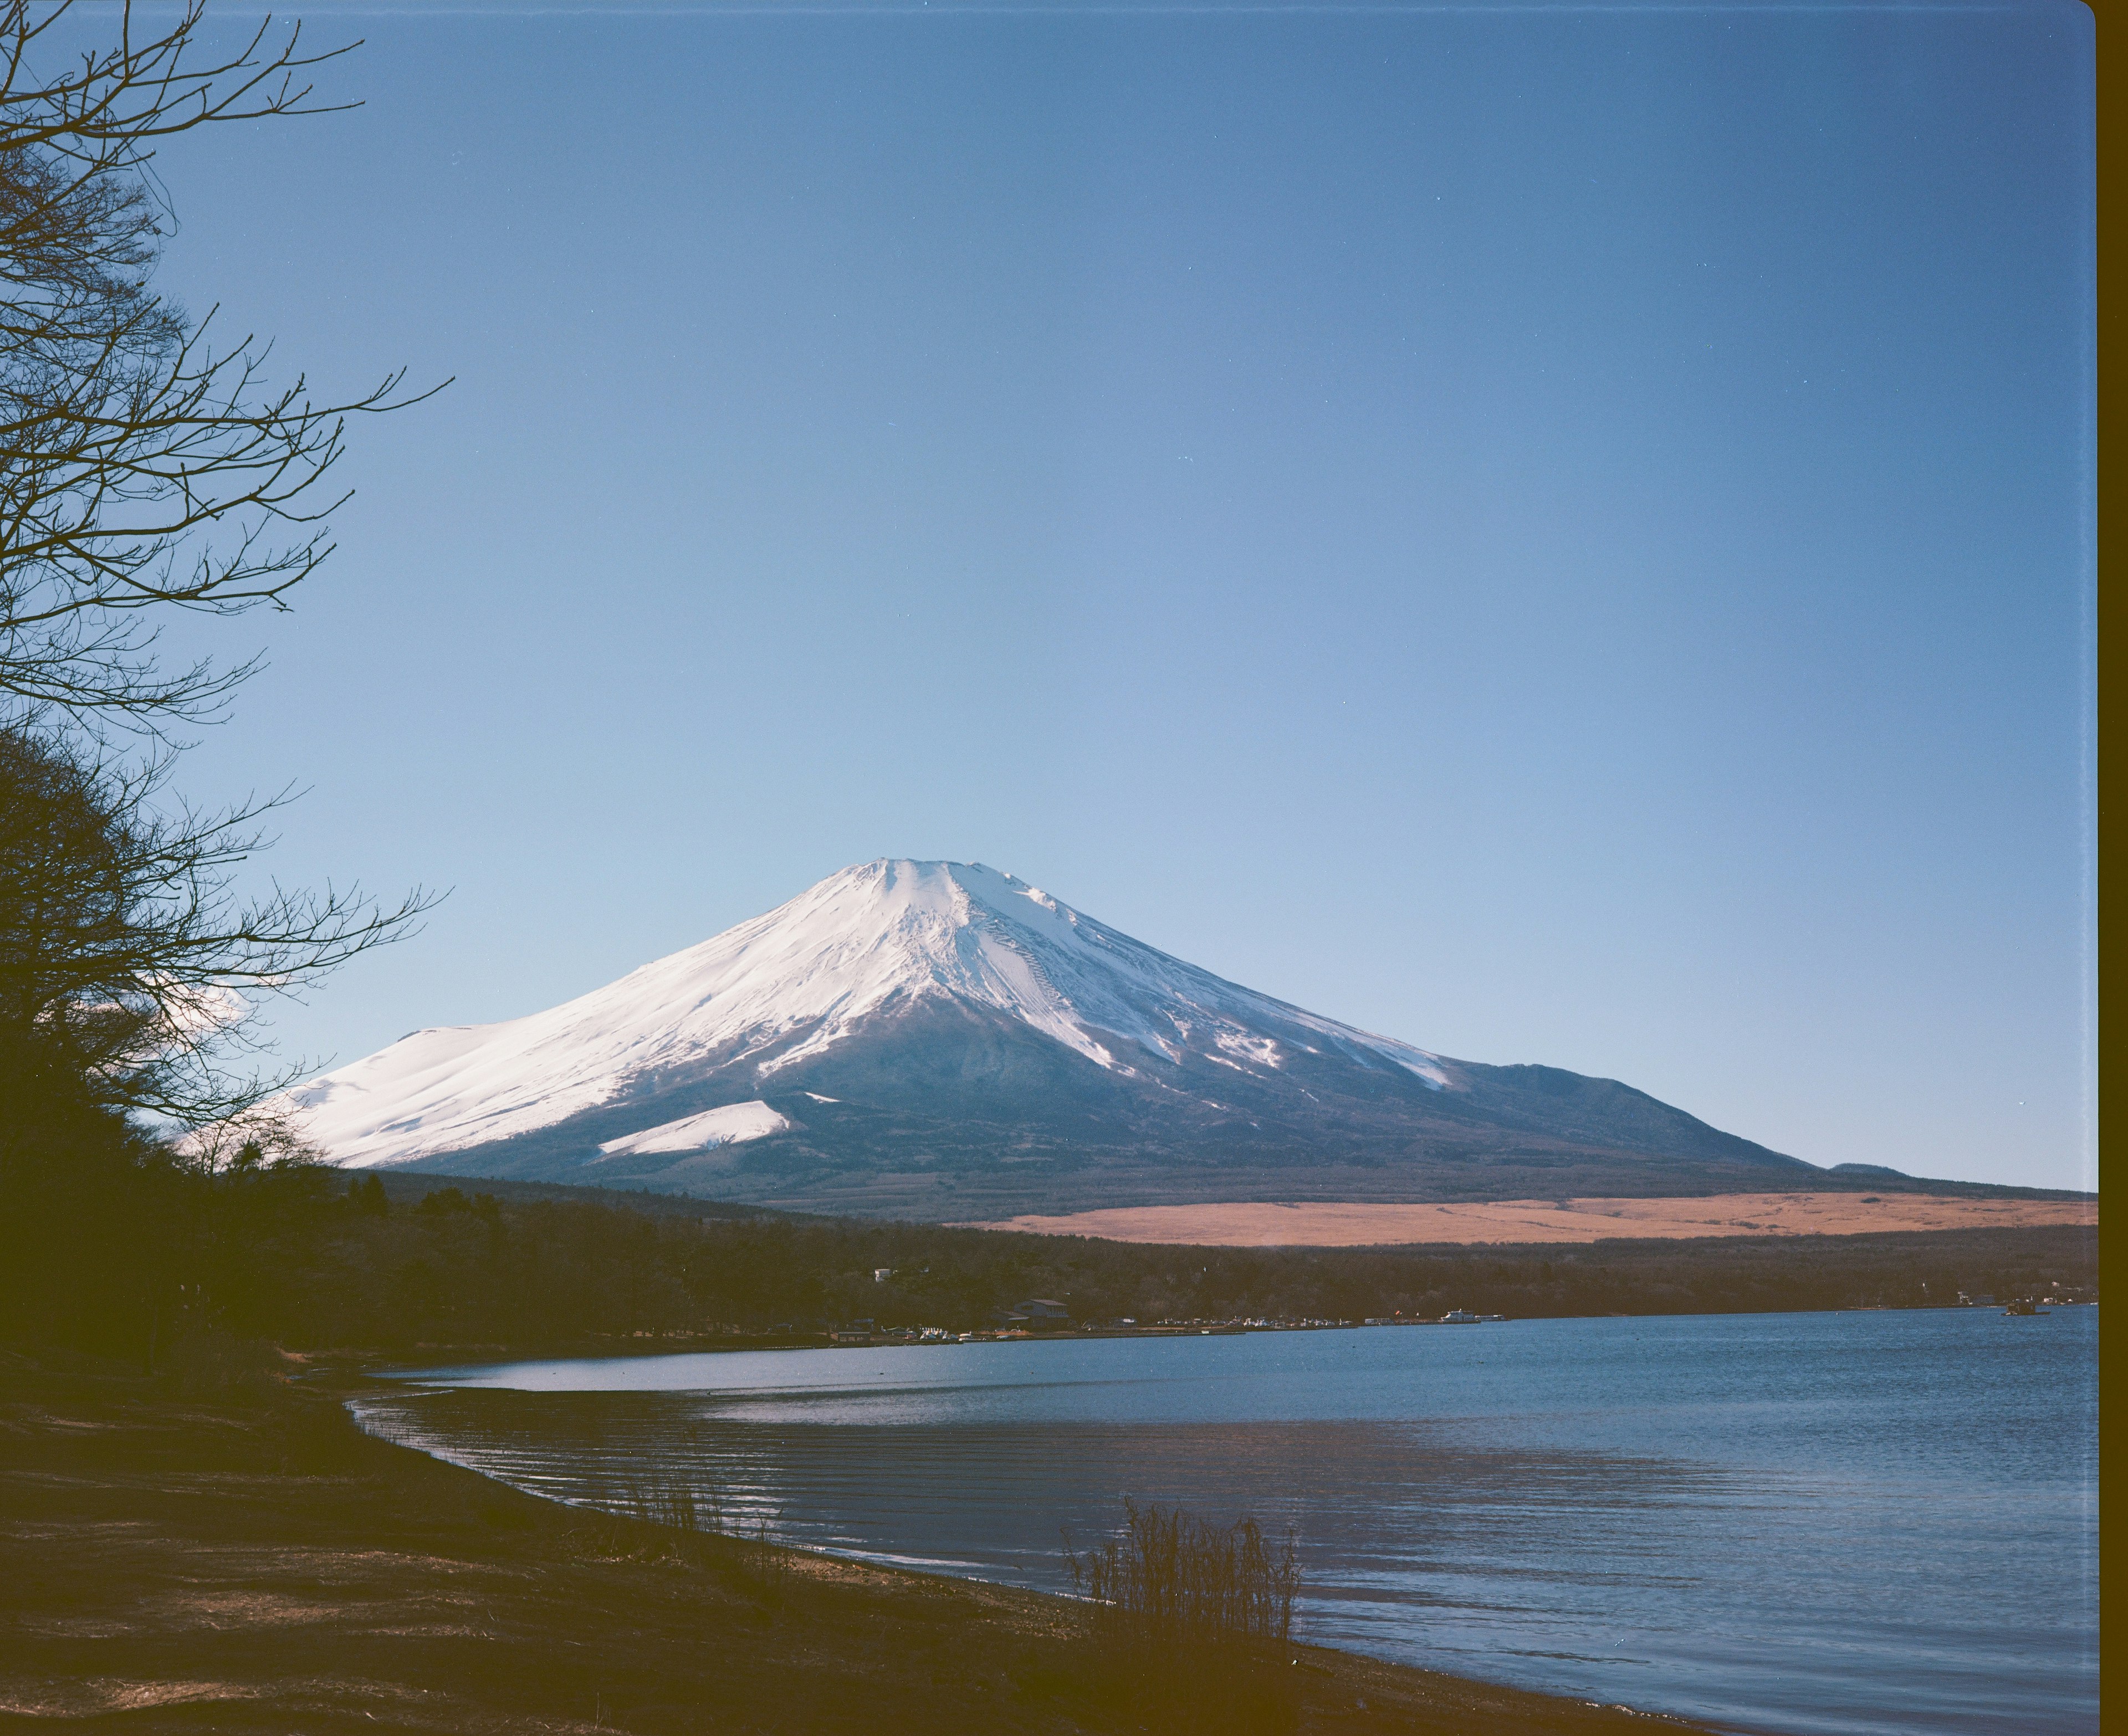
x=143 y=469
x=132 y=969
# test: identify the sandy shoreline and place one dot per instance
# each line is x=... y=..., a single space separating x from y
x=1330 y=1225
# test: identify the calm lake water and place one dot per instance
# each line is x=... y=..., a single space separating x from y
x=1859 y=1523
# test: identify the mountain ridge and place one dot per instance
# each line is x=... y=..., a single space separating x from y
x=941 y=1039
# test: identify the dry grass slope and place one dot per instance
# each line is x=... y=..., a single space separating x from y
x=1552 y=1222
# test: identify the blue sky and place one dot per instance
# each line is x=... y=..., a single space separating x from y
x=1557 y=535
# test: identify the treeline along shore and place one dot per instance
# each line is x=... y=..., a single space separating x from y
x=127 y=1263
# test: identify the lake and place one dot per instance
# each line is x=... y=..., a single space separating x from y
x=1830 y=1525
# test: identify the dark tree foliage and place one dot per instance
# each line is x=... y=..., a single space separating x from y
x=129 y=965
x=133 y=1247
x=109 y=1246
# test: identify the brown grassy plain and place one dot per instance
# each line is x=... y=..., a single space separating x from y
x=1331 y=1224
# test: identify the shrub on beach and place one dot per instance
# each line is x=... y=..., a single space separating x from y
x=1190 y=1620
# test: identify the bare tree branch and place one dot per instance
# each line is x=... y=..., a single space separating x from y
x=127 y=954
x=126 y=437
x=144 y=468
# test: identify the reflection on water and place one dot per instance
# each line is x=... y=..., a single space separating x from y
x=1868 y=1523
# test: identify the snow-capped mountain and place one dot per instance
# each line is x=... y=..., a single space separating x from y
x=934 y=1038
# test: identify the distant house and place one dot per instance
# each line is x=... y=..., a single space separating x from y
x=1043 y=1314
x=879 y=1275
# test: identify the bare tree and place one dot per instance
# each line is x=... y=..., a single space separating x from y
x=129 y=962
x=142 y=469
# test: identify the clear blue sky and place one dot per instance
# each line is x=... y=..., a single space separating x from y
x=1559 y=535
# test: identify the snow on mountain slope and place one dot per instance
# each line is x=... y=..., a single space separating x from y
x=732 y=1125
x=759 y=999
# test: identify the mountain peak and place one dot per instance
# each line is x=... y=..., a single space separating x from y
x=765 y=997
x=946 y=889
x=901 y=1015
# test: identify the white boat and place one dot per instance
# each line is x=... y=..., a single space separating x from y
x=1457 y=1317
